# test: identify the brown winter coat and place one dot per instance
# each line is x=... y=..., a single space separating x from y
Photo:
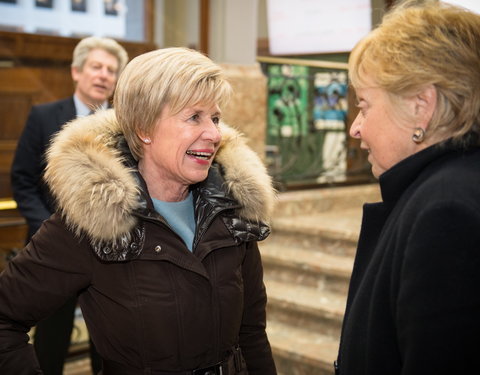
x=151 y=305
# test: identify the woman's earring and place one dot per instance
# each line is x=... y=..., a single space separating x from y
x=418 y=135
x=147 y=141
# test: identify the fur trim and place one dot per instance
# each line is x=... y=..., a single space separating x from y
x=97 y=194
x=94 y=191
x=246 y=176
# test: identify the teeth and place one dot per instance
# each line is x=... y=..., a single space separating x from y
x=203 y=155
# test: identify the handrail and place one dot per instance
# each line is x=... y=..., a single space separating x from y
x=7 y=204
x=312 y=63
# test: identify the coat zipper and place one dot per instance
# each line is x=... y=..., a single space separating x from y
x=197 y=238
x=208 y=221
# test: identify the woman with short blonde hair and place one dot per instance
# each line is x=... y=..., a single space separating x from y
x=414 y=299
x=160 y=208
x=175 y=76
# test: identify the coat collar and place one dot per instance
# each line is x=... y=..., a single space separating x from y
x=97 y=190
x=397 y=179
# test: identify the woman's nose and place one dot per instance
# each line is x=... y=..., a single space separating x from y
x=355 y=127
x=213 y=132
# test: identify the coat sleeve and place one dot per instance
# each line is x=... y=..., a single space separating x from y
x=26 y=172
x=253 y=338
x=53 y=267
x=438 y=305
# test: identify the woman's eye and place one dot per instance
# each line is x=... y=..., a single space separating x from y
x=195 y=117
x=362 y=107
x=216 y=120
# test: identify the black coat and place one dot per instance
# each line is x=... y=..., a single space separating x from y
x=29 y=190
x=414 y=299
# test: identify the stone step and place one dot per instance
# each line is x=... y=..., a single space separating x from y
x=307 y=261
x=334 y=232
x=309 y=308
x=313 y=201
x=299 y=351
x=304 y=267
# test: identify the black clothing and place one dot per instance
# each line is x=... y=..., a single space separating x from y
x=414 y=303
x=29 y=191
x=34 y=201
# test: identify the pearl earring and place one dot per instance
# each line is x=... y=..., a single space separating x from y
x=418 y=135
x=147 y=141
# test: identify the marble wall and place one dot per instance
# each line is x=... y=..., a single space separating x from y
x=247 y=110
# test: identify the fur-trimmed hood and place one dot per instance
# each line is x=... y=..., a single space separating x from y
x=97 y=193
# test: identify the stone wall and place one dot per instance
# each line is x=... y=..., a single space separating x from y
x=247 y=110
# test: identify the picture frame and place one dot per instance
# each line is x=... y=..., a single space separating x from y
x=111 y=7
x=79 y=5
x=44 y=4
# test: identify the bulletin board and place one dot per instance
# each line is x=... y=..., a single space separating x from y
x=307 y=107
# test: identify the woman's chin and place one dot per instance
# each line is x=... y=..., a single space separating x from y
x=376 y=172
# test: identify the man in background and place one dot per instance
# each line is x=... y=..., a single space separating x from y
x=96 y=64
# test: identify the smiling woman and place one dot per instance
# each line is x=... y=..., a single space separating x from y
x=180 y=151
x=160 y=207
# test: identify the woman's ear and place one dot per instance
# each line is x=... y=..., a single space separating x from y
x=425 y=105
x=144 y=138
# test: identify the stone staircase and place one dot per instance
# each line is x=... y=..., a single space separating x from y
x=307 y=261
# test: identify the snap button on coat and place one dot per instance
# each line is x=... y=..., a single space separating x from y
x=158 y=248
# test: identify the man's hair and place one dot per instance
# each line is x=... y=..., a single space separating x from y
x=83 y=48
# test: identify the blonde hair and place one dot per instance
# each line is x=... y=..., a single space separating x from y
x=83 y=48
x=177 y=77
x=421 y=44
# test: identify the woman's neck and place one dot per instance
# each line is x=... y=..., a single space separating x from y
x=162 y=188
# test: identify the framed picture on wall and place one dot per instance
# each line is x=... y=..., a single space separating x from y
x=47 y=31
x=79 y=5
x=8 y=1
x=111 y=7
x=44 y=3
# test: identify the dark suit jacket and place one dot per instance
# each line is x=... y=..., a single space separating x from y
x=29 y=191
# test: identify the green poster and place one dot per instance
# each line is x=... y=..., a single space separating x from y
x=288 y=90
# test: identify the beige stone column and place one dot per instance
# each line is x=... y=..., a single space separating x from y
x=233 y=31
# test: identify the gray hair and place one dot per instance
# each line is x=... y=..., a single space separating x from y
x=83 y=48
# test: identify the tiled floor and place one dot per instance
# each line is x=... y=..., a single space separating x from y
x=78 y=367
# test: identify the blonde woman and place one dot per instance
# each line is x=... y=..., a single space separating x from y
x=414 y=300
x=160 y=208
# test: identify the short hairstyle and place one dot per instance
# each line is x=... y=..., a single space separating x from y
x=420 y=44
x=177 y=77
x=83 y=48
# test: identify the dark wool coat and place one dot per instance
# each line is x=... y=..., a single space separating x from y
x=414 y=299
x=149 y=303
